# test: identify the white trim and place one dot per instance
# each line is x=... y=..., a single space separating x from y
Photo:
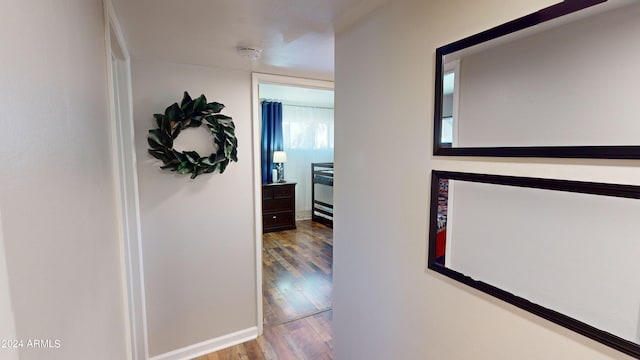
x=117 y=175
x=7 y=317
x=256 y=79
x=210 y=346
x=303 y=215
x=257 y=196
x=455 y=67
x=125 y=186
x=119 y=194
x=291 y=81
x=111 y=20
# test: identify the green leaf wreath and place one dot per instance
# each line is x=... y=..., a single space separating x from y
x=193 y=113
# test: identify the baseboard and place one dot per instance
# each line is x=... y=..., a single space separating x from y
x=303 y=215
x=209 y=346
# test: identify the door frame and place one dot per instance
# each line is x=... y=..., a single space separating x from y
x=256 y=80
x=125 y=181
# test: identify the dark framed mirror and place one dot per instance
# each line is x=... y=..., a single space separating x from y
x=567 y=251
x=561 y=82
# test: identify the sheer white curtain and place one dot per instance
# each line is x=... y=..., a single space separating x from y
x=308 y=137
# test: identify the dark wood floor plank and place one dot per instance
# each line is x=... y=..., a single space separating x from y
x=267 y=350
x=307 y=339
x=321 y=324
x=297 y=271
x=297 y=297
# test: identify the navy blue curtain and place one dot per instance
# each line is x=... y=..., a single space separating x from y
x=271 y=137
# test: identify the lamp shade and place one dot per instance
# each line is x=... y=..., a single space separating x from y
x=279 y=157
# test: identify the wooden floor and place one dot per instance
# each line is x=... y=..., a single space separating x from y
x=297 y=288
x=308 y=338
x=297 y=272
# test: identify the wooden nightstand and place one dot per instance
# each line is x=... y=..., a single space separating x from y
x=278 y=207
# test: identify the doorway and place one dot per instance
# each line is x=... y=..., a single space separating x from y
x=295 y=265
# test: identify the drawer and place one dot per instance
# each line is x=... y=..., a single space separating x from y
x=277 y=205
x=267 y=192
x=284 y=191
x=283 y=219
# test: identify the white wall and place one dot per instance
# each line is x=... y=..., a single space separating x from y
x=386 y=305
x=298 y=170
x=198 y=235
x=301 y=125
x=56 y=183
x=570 y=85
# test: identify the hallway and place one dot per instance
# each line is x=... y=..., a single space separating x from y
x=297 y=290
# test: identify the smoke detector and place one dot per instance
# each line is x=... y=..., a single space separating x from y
x=249 y=53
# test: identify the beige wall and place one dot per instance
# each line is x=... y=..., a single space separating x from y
x=386 y=305
x=56 y=183
x=198 y=235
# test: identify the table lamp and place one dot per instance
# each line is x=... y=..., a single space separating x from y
x=279 y=157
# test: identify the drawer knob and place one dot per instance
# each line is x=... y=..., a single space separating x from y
x=274 y=216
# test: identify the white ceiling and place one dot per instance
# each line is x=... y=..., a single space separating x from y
x=297 y=36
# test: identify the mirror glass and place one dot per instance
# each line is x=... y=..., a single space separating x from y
x=570 y=82
x=567 y=251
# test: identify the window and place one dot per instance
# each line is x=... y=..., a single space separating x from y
x=307 y=128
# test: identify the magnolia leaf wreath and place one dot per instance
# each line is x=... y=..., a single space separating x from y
x=193 y=113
